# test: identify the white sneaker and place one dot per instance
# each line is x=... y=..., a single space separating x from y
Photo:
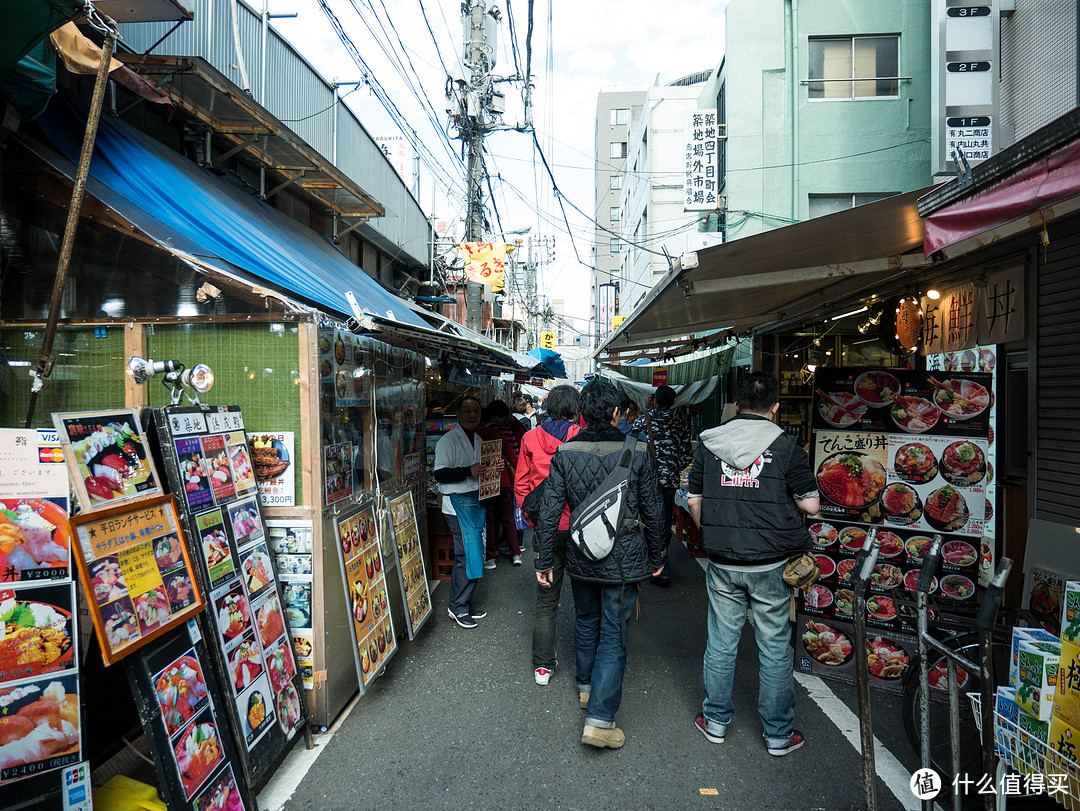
x=542 y=675
x=490 y=563
x=517 y=560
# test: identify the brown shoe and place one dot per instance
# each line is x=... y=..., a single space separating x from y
x=603 y=738
x=583 y=700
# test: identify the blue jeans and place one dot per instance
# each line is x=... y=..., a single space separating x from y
x=599 y=646
x=769 y=598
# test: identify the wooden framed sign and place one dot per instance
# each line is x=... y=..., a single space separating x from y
x=133 y=559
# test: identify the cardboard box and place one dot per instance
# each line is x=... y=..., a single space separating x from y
x=1034 y=736
x=1070 y=613
x=1006 y=720
x=1037 y=677
x=1061 y=763
x=1025 y=635
x=1067 y=697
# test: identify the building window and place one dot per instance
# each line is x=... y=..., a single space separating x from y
x=854 y=67
x=616 y=182
x=616 y=245
x=618 y=149
x=620 y=117
x=614 y=213
x=823 y=204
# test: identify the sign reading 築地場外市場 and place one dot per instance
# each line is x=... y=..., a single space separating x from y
x=701 y=183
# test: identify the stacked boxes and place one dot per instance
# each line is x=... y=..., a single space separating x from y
x=1064 y=728
x=1037 y=677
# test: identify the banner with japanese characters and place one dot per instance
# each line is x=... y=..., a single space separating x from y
x=991 y=311
x=485 y=263
x=701 y=182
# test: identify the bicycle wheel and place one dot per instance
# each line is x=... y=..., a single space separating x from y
x=970 y=741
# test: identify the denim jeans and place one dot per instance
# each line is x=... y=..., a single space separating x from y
x=461 y=587
x=547 y=607
x=667 y=506
x=769 y=598
x=602 y=614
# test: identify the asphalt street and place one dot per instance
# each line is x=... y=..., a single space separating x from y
x=456 y=721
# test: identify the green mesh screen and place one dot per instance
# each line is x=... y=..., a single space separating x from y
x=256 y=367
x=88 y=374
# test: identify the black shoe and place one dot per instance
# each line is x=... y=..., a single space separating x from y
x=464 y=620
x=477 y=615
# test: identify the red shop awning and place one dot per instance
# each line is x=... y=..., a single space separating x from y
x=1051 y=179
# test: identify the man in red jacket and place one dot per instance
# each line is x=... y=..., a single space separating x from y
x=534 y=461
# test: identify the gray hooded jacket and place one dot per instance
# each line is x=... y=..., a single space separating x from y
x=749 y=473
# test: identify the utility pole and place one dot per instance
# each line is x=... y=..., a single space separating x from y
x=475 y=106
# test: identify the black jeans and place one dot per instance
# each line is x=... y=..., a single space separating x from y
x=547 y=607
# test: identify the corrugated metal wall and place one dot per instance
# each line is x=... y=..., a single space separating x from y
x=1038 y=63
x=294 y=91
x=1057 y=377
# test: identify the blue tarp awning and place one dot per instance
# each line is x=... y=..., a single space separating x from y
x=225 y=220
x=550 y=360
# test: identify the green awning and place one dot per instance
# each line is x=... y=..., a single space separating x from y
x=680 y=374
x=26 y=22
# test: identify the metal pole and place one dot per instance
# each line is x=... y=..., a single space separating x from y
x=954 y=732
x=926 y=576
x=985 y=622
x=864 y=567
x=45 y=360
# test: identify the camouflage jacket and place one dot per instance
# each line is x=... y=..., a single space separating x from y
x=671 y=438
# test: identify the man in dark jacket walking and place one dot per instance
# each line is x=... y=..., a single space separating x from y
x=749 y=485
x=605 y=591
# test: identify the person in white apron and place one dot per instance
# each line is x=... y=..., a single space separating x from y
x=457 y=470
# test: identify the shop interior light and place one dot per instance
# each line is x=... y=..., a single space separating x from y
x=200 y=378
x=143 y=370
x=853 y=312
x=933 y=294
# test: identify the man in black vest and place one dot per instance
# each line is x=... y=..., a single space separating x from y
x=749 y=485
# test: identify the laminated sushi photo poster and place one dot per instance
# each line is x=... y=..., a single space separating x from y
x=107 y=457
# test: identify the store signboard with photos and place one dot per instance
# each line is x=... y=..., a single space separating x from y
x=907 y=451
x=198 y=763
x=411 y=566
x=364 y=580
x=248 y=636
x=39 y=656
x=140 y=577
x=290 y=543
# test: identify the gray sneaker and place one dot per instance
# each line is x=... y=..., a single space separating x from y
x=489 y=563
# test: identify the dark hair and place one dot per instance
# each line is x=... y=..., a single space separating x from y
x=665 y=396
x=758 y=393
x=624 y=402
x=562 y=402
x=469 y=397
x=598 y=402
x=498 y=408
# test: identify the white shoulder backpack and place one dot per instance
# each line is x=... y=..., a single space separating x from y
x=596 y=521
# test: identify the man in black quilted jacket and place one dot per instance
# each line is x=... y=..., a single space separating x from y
x=605 y=591
x=749 y=487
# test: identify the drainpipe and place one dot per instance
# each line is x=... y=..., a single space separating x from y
x=795 y=207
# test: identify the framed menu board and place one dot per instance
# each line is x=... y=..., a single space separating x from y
x=180 y=703
x=247 y=638
x=490 y=475
x=411 y=567
x=107 y=457
x=364 y=579
x=139 y=579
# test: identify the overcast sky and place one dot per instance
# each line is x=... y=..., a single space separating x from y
x=596 y=45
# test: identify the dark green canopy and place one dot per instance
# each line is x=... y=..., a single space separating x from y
x=25 y=23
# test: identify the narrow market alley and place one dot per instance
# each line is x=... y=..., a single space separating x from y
x=456 y=721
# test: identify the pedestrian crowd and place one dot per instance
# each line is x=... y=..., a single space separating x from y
x=593 y=480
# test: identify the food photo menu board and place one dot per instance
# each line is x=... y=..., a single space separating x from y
x=290 y=543
x=364 y=579
x=490 y=473
x=411 y=567
x=249 y=643
x=139 y=575
x=197 y=761
x=39 y=658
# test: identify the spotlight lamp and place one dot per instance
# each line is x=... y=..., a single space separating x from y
x=191 y=383
x=933 y=294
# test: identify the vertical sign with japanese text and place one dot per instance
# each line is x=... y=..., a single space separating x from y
x=701 y=183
